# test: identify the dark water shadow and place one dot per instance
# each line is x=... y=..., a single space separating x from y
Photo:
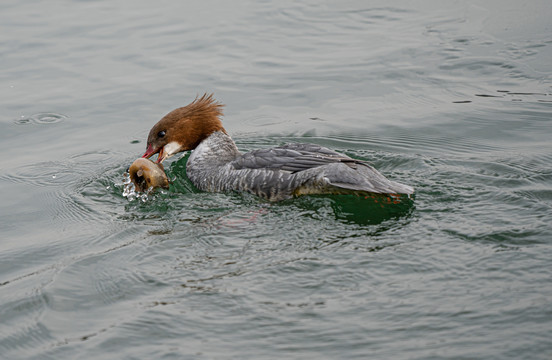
x=358 y=210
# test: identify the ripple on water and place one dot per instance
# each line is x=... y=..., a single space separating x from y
x=79 y=193
x=78 y=168
x=41 y=118
x=20 y=313
x=47 y=173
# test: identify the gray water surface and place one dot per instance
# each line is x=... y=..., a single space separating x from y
x=452 y=98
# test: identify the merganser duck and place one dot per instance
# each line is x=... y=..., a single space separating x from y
x=216 y=164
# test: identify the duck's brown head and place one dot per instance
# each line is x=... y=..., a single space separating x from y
x=184 y=128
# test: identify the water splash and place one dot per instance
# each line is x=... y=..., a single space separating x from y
x=129 y=190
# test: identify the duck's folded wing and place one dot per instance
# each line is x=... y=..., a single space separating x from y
x=292 y=158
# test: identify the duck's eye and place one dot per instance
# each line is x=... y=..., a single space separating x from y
x=161 y=134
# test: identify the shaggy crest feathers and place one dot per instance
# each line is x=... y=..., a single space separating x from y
x=203 y=107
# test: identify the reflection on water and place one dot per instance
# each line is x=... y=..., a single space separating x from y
x=356 y=209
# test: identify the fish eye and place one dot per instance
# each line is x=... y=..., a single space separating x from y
x=161 y=134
